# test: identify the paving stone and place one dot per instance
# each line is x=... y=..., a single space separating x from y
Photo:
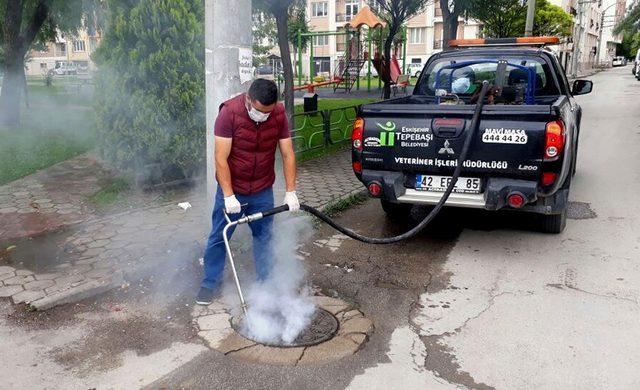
x=356 y=325
x=350 y=314
x=38 y=285
x=18 y=280
x=89 y=289
x=332 y=305
x=23 y=272
x=98 y=273
x=49 y=276
x=5 y=269
x=214 y=321
x=233 y=342
x=7 y=291
x=358 y=338
x=334 y=349
x=270 y=355
x=64 y=280
x=215 y=337
x=27 y=296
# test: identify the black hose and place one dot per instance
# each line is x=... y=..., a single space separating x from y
x=475 y=123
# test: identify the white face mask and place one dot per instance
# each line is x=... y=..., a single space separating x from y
x=255 y=115
x=461 y=85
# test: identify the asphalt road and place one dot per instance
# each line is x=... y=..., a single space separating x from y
x=477 y=301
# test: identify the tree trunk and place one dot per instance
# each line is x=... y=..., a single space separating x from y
x=12 y=86
x=13 y=65
x=282 y=18
x=449 y=23
x=393 y=30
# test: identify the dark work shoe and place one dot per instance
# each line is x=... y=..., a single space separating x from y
x=205 y=296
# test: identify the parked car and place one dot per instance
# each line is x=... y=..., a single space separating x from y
x=619 y=61
x=414 y=69
x=636 y=63
x=64 y=68
x=264 y=70
x=523 y=158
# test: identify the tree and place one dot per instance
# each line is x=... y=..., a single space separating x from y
x=298 y=24
x=500 y=18
x=551 y=20
x=280 y=11
x=631 y=22
x=395 y=13
x=452 y=10
x=150 y=112
x=24 y=23
x=507 y=18
x=629 y=46
x=264 y=31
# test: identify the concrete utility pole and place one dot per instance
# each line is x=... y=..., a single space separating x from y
x=531 y=13
x=598 y=52
x=227 y=34
x=576 y=43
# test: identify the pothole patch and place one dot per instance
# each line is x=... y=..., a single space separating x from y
x=327 y=342
x=580 y=210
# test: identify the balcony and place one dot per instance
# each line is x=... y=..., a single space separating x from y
x=343 y=18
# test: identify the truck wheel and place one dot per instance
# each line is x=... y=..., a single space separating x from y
x=397 y=212
x=554 y=223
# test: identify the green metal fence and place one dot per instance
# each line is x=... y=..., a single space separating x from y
x=317 y=130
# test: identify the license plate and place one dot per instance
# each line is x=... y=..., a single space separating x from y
x=464 y=185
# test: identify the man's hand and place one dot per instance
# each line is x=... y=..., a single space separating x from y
x=231 y=205
x=291 y=200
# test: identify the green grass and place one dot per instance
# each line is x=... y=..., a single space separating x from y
x=111 y=192
x=310 y=131
x=51 y=131
x=341 y=205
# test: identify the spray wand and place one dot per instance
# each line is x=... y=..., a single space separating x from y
x=475 y=123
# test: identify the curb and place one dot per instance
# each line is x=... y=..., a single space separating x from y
x=84 y=291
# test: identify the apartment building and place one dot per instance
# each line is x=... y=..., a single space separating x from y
x=613 y=12
x=66 y=49
x=587 y=17
x=424 y=32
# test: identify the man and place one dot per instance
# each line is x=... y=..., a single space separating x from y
x=248 y=130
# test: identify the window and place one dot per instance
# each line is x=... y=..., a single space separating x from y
x=321 y=65
x=43 y=65
x=351 y=8
x=321 y=40
x=319 y=10
x=476 y=73
x=416 y=35
x=78 y=45
x=416 y=61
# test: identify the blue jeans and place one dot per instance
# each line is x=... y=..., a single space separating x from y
x=215 y=254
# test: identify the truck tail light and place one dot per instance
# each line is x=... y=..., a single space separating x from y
x=374 y=189
x=554 y=140
x=516 y=200
x=548 y=178
x=357 y=135
x=357 y=167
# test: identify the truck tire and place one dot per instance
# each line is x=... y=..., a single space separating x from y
x=554 y=223
x=397 y=212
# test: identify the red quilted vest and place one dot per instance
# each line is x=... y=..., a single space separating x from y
x=252 y=159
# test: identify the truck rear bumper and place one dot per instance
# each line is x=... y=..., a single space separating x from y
x=494 y=196
x=476 y=201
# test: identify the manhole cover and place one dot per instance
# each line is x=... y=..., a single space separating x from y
x=323 y=327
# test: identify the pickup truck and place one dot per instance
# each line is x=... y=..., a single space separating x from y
x=522 y=157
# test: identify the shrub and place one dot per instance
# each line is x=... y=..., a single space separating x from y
x=150 y=100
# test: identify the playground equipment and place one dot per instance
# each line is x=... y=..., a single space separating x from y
x=348 y=66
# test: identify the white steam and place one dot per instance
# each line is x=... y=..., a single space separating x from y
x=281 y=307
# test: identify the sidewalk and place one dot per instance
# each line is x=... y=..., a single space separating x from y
x=95 y=255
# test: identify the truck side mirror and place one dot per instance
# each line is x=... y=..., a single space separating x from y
x=582 y=87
